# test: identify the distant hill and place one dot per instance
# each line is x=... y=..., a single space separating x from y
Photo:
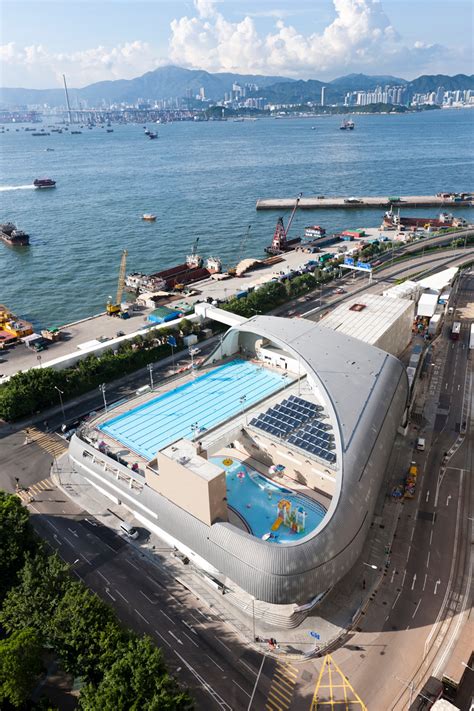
x=170 y=81
x=162 y=83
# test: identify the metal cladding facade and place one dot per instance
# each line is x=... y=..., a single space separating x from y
x=364 y=390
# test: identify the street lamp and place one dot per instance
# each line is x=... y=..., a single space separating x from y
x=374 y=567
x=150 y=370
x=38 y=358
x=102 y=390
x=61 y=393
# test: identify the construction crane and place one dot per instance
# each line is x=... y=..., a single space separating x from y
x=114 y=309
x=280 y=242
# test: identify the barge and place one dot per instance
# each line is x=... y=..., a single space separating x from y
x=394 y=221
x=13 y=237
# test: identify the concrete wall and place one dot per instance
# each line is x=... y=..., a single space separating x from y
x=201 y=497
x=397 y=338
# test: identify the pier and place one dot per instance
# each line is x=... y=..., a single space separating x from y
x=338 y=203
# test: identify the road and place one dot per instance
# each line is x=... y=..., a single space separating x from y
x=411 y=622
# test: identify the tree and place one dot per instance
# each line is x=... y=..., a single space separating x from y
x=136 y=681
x=42 y=582
x=20 y=665
x=16 y=539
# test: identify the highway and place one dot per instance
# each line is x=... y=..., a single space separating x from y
x=409 y=627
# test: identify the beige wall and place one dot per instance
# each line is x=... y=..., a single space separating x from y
x=203 y=498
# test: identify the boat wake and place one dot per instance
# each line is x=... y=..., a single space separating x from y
x=7 y=188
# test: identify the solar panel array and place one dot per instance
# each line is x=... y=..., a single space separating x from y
x=299 y=422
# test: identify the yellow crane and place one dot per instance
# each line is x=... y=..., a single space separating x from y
x=114 y=308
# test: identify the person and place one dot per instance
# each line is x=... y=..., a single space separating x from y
x=135 y=467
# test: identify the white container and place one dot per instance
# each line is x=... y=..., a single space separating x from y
x=190 y=340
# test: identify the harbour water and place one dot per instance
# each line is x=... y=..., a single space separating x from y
x=201 y=180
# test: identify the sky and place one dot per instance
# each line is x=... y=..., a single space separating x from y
x=96 y=40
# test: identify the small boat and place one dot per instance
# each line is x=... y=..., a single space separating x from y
x=76 y=133
x=152 y=135
x=347 y=125
x=49 y=150
x=148 y=217
x=13 y=237
x=110 y=130
x=41 y=183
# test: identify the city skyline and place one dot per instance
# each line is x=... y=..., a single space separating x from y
x=298 y=40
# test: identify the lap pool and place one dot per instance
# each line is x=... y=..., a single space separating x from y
x=204 y=402
x=270 y=511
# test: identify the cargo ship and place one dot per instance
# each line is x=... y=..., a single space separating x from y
x=13 y=237
x=393 y=221
x=42 y=183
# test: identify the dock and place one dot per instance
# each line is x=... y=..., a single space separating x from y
x=384 y=202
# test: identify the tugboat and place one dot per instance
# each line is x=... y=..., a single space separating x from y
x=13 y=237
x=42 y=183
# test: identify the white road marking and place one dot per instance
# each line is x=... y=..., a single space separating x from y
x=140 y=615
x=73 y=532
x=103 y=577
x=427 y=495
x=431 y=537
x=438 y=582
x=132 y=564
x=68 y=541
x=218 y=699
x=51 y=524
x=252 y=671
x=428 y=559
x=396 y=599
x=245 y=692
x=416 y=608
x=448 y=499
x=223 y=644
x=414 y=581
x=167 y=617
x=412 y=534
x=191 y=640
x=214 y=662
x=195 y=618
x=86 y=559
x=409 y=551
x=163 y=638
x=393 y=575
x=153 y=602
x=122 y=596
x=424 y=581
x=174 y=637
x=57 y=539
x=404 y=576
x=109 y=594
x=190 y=627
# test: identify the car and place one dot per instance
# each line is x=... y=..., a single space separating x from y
x=120 y=333
x=353 y=201
x=340 y=290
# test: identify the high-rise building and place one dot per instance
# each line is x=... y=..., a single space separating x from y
x=323 y=96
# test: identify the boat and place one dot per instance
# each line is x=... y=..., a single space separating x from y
x=49 y=150
x=314 y=232
x=392 y=221
x=42 y=133
x=110 y=130
x=75 y=133
x=189 y=272
x=152 y=135
x=214 y=265
x=13 y=237
x=148 y=217
x=42 y=183
x=347 y=125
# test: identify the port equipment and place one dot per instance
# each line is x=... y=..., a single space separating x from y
x=280 y=242
x=114 y=309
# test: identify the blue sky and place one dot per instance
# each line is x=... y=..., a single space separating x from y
x=110 y=39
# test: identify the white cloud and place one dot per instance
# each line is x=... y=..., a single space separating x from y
x=360 y=38
x=37 y=66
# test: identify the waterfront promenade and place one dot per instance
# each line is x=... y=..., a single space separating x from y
x=320 y=203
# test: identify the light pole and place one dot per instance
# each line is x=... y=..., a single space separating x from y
x=61 y=393
x=38 y=358
x=102 y=390
x=150 y=370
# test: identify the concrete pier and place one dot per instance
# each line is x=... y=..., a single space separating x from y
x=328 y=203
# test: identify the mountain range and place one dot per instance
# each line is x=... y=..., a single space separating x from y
x=170 y=82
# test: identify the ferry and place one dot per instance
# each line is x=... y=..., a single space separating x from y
x=13 y=237
x=42 y=183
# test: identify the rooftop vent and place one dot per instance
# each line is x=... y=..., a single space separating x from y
x=357 y=307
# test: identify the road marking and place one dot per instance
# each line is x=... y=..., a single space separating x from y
x=414 y=581
x=195 y=618
x=164 y=639
x=191 y=640
x=140 y=615
x=412 y=534
x=109 y=594
x=214 y=662
x=282 y=680
x=416 y=608
x=153 y=602
x=256 y=681
x=57 y=539
x=252 y=671
x=52 y=526
x=167 y=617
x=438 y=582
x=404 y=576
x=122 y=596
x=431 y=537
x=223 y=644
x=103 y=577
x=393 y=575
x=132 y=564
x=218 y=699
x=427 y=495
x=68 y=541
x=396 y=599
x=428 y=559
x=409 y=551
x=85 y=559
x=73 y=532
x=174 y=637
x=190 y=627
x=448 y=499
x=245 y=692
x=424 y=581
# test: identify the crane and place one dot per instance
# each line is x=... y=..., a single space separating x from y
x=115 y=308
x=279 y=242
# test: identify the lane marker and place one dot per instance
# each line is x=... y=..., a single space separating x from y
x=404 y=576
x=110 y=595
x=103 y=577
x=132 y=564
x=167 y=617
x=85 y=559
x=153 y=602
x=68 y=541
x=414 y=581
x=73 y=532
x=57 y=539
x=164 y=639
x=428 y=559
x=122 y=596
x=214 y=662
x=224 y=645
x=438 y=582
x=245 y=692
x=205 y=685
x=396 y=599
x=174 y=637
x=427 y=496
x=416 y=608
x=424 y=581
x=191 y=640
x=140 y=615
x=393 y=575
x=431 y=537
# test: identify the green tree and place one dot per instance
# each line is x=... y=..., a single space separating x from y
x=20 y=665
x=42 y=582
x=136 y=681
x=16 y=539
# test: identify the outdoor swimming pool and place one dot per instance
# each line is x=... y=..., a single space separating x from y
x=269 y=510
x=194 y=407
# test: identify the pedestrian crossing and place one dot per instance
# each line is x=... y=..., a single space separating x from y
x=28 y=494
x=282 y=687
x=51 y=443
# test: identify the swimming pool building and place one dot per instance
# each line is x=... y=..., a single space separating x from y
x=263 y=465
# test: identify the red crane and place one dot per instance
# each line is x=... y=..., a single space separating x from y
x=280 y=243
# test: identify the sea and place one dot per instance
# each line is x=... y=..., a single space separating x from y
x=202 y=181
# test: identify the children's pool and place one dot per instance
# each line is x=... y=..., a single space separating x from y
x=269 y=510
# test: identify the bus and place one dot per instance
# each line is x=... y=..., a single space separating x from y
x=456 y=331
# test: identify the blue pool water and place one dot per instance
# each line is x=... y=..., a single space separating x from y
x=208 y=400
x=255 y=498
